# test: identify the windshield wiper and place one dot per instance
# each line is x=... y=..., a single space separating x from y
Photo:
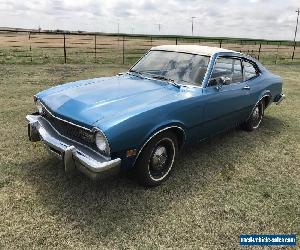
x=159 y=77
x=136 y=73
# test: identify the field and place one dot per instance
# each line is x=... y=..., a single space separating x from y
x=80 y=48
x=235 y=183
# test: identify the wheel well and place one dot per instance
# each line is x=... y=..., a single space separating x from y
x=266 y=100
x=179 y=134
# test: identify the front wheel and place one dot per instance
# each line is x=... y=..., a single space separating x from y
x=255 y=118
x=156 y=159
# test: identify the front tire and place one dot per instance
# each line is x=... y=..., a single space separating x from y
x=255 y=118
x=156 y=160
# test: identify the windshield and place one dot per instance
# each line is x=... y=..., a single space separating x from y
x=179 y=67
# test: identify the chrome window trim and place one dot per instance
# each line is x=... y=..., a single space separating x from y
x=139 y=60
x=255 y=66
x=230 y=57
x=156 y=133
x=213 y=62
x=181 y=85
x=242 y=58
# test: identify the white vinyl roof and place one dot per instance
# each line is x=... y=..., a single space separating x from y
x=193 y=49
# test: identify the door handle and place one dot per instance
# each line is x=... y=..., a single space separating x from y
x=246 y=87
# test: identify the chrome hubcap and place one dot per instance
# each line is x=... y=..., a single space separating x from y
x=256 y=113
x=256 y=116
x=159 y=158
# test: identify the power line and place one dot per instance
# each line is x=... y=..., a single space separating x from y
x=296 y=29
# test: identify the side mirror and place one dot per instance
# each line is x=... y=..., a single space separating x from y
x=219 y=85
x=213 y=82
x=225 y=80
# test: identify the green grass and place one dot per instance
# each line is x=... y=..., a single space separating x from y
x=235 y=183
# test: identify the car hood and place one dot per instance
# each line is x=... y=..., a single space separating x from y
x=89 y=101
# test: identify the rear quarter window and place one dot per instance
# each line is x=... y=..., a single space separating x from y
x=250 y=70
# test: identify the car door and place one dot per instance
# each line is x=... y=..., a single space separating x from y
x=226 y=96
x=252 y=78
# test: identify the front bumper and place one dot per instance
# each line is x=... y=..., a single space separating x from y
x=74 y=154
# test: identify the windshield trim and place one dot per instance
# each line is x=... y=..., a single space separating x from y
x=181 y=52
x=189 y=53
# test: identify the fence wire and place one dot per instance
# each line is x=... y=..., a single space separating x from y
x=59 y=47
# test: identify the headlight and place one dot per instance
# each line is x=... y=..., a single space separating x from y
x=102 y=143
x=39 y=107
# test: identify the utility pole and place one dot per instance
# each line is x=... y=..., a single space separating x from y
x=296 y=29
x=193 y=17
x=118 y=34
x=159 y=26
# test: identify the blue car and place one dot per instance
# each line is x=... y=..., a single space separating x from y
x=173 y=96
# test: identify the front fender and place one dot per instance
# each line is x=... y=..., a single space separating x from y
x=125 y=142
x=134 y=132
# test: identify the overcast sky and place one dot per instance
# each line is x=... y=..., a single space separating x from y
x=269 y=19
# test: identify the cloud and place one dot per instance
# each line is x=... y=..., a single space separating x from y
x=272 y=19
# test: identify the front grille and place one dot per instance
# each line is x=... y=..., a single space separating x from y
x=68 y=130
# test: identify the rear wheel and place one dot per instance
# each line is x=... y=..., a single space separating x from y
x=255 y=118
x=156 y=160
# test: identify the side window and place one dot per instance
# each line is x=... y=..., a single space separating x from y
x=249 y=71
x=237 y=75
x=226 y=71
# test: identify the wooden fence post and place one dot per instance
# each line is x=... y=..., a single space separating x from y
x=293 y=55
x=259 y=51
x=65 y=52
x=123 y=50
x=276 y=54
x=29 y=37
x=176 y=41
x=95 y=47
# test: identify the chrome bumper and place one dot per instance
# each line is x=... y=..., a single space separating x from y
x=73 y=154
x=279 y=98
